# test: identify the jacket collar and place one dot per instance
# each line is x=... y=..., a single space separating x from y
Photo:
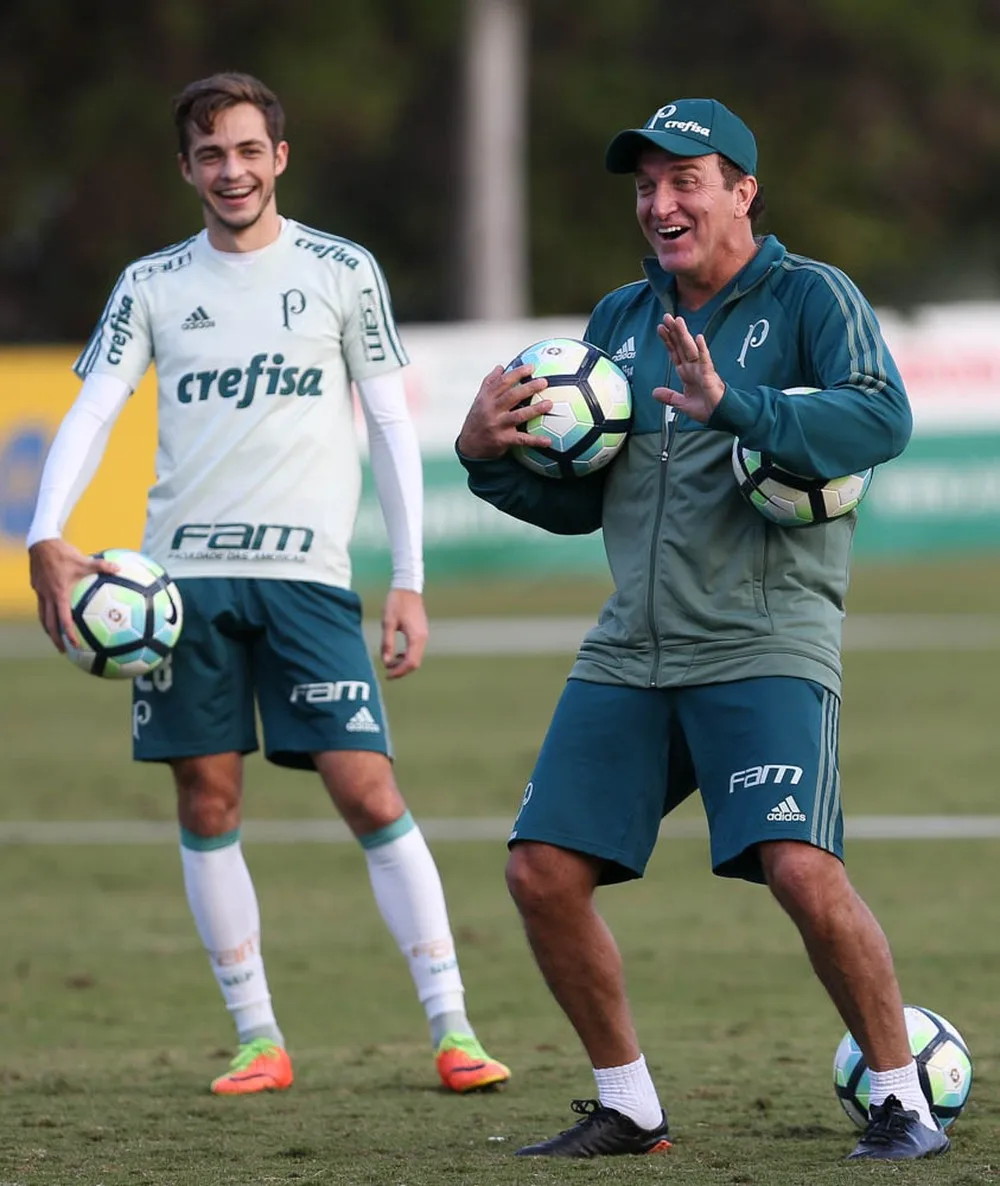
x=664 y=284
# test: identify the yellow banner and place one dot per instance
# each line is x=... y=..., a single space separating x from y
x=36 y=389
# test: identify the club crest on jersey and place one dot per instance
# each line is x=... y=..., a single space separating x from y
x=257 y=378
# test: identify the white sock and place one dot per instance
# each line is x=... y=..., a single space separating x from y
x=224 y=904
x=629 y=1090
x=904 y=1084
x=409 y=895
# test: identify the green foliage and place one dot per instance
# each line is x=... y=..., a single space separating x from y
x=878 y=123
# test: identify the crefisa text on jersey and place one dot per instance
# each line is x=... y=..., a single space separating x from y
x=234 y=381
x=334 y=251
x=120 y=331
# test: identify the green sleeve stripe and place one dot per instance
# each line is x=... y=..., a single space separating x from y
x=88 y=355
x=864 y=341
x=390 y=832
x=385 y=301
x=208 y=843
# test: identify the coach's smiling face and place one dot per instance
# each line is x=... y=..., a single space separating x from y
x=698 y=225
x=233 y=170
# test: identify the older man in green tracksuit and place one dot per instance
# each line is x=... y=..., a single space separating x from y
x=716 y=663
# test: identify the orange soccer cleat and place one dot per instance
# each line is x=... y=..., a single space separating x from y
x=464 y=1065
x=260 y=1065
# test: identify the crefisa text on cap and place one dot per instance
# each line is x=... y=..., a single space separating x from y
x=679 y=125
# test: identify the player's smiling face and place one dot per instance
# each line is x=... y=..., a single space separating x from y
x=696 y=226
x=233 y=170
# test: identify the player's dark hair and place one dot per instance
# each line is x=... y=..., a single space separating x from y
x=199 y=104
x=731 y=174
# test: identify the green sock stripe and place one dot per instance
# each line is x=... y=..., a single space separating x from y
x=208 y=843
x=390 y=832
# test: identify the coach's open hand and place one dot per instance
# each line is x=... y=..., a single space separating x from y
x=702 y=386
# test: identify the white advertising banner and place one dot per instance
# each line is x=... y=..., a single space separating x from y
x=949 y=356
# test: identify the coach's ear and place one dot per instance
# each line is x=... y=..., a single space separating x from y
x=185 y=168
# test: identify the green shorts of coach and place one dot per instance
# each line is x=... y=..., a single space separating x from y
x=292 y=652
x=616 y=760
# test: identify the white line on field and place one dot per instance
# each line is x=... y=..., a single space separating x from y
x=562 y=636
x=331 y=831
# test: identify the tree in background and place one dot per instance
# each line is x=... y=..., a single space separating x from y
x=878 y=123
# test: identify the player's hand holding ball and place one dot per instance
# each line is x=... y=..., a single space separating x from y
x=56 y=567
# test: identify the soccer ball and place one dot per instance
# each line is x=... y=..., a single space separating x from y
x=791 y=500
x=944 y=1066
x=591 y=408
x=127 y=621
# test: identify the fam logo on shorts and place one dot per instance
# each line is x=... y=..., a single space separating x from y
x=756 y=776
x=331 y=691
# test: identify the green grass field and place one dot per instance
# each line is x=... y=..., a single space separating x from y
x=113 y=1027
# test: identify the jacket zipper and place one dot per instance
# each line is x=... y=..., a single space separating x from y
x=669 y=421
x=668 y=430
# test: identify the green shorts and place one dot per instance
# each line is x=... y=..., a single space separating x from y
x=616 y=760
x=292 y=651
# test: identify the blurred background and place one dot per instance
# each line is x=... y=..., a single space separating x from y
x=462 y=141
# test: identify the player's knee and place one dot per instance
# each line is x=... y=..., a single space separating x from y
x=208 y=800
x=543 y=880
x=804 y=879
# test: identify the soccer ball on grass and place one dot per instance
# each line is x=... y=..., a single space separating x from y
x=943 y=1065
x=591 y=408
x=127 y=621
x=792 y=500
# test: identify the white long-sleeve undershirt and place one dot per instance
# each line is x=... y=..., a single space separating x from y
x=396 y=466
x=76 y=453
x=82 y=438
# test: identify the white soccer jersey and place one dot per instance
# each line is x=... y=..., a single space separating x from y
x=257 y=465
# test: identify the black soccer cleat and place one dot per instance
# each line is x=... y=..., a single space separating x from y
x=893 y=1134
x=602 y=1132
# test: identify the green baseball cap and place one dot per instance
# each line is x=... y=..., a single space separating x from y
x=686 y=127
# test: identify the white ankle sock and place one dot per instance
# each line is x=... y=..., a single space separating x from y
x=904 y=1084
x=629 y=1090
x=224 y=904
x=408 y=893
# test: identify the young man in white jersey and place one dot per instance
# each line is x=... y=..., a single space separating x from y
x=258 y=326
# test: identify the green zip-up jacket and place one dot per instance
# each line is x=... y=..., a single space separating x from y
x=706 y=589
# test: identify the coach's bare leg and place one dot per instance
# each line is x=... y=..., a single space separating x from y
x=575 y=951
x=846 y=945
x=363 y=788
x=209 y=793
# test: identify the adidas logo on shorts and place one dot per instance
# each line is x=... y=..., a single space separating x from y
x=787 y=811
x=364 y=722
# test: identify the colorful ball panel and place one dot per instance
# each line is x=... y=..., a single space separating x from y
x=592 y=406
x=944 y=1066
x=127 y=621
